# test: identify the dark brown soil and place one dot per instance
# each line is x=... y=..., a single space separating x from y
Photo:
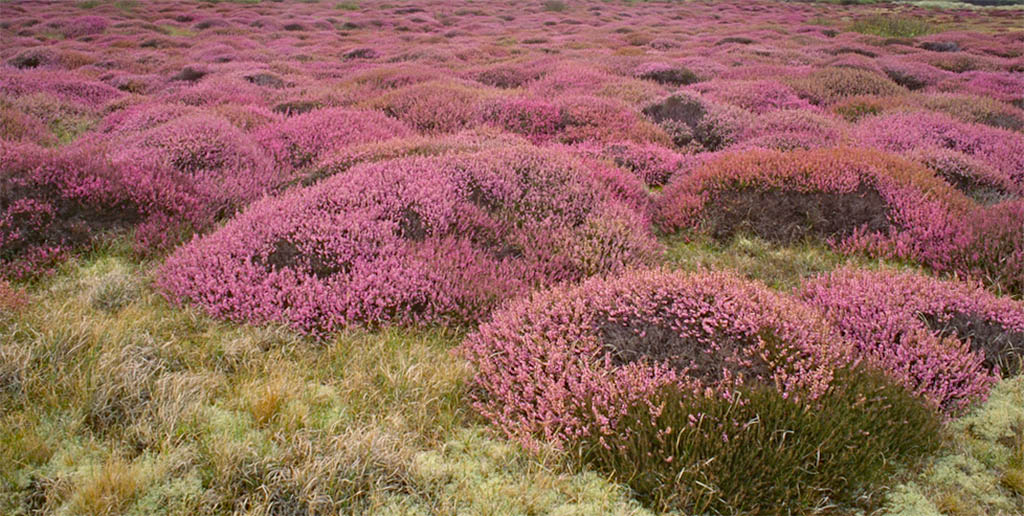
x=1001 y=346
x=642 y=340
x=787 y=217
x=287 y=255
x=189 y=74
x=671 y=77
x=268 y=80
x=296 y=107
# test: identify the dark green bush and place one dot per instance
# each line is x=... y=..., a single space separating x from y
x=762 y=454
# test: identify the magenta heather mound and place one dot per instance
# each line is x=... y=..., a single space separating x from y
x=300 y=140
x=411 y=241
x=946 y=340
x=53 y=201
x=565 y=363
x=855 y=199
x=1001 y=149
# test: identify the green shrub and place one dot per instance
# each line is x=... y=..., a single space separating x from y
x=893 y=26
x=763 y=454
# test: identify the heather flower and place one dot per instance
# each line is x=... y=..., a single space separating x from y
x=946 y=340
x=412 y=241
x=300 y=140
x=566 y=363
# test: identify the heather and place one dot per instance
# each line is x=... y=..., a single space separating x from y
x=416 y=240
x=565 y=364
x=947 y=341
x=432 y=257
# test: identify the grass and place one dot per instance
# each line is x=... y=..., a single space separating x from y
x=893 y=26
x=762 y=454
x=112 y=401
x=980 y=471
x=781 y=268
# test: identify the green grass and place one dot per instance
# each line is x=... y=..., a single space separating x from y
x=893 y=25
x=762 y=454
x=981 y=470
x=781 y=268
x=113 y=401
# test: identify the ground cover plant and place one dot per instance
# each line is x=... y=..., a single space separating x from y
x=542 y=257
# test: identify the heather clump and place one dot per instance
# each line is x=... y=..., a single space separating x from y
x=300 y=140
x=944 y=340
x=853 y=199
x=1001 y=149
x=748 y=453
x=696 y=124
x=567 y=363
x=829 y=85
x=55 y=201
x=432 y=107
x=417 y=240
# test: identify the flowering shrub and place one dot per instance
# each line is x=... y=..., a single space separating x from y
x=664 y=73
x=538 y=120
x=900 y=132
x=758 y=96
x=17 y=126
x=566 y=363
x=968 y=174
x=913 y=75
x=84 y=26
x=945 y=340
x=64 y=86
x=300 y=140
x=697 y=124
x=52 y=201
x=465 y=142
x=977 y=109
x=432 y=107
x=828 y=85
x=855 y=199
x=652 y=163
x=417 y=240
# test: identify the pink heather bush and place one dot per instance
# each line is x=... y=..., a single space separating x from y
x=52 y=201
x=973 y=108
x=465 y=142
x=653 y=164
x=566 y=363
x=995 y=254
x=944 y=340
x=300 y=140
x=697 y=124
x=756 y=96
x=828 y=85
x=84 y=26
x=913 y=75
x=412 y=241
x=855 y=199
x=63 y=85
x=141 y=117
x=193 y=145
x=598 y=119
x=536 y=119
x=433 y=107
x=18 y=126
x=1004 y=86
x=902 y=132
x=968 y=174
